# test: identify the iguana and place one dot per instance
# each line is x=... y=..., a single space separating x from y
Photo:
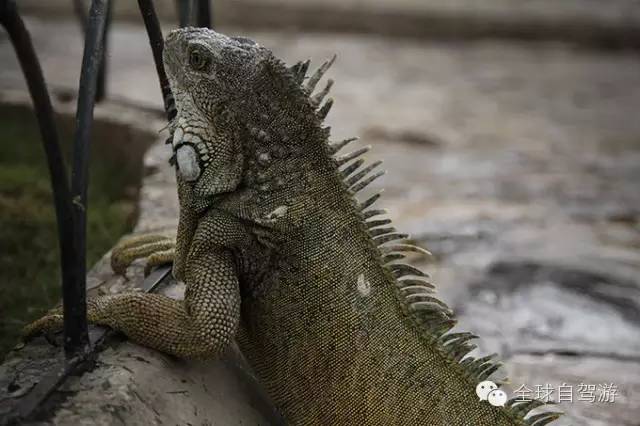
x=277 y=252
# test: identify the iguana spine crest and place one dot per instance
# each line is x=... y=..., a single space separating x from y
x=414 y=290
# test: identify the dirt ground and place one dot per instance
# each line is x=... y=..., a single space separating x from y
x=517 y=165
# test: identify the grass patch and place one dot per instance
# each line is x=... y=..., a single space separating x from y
x=29 y=258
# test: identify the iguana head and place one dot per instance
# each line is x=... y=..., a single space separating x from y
x=209 y=74
x=244 y=117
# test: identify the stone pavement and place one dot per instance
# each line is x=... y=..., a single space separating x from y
x=517 y=165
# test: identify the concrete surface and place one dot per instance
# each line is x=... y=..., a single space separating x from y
x=518 y=165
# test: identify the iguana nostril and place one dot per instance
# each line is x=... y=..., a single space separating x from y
x=188 y=164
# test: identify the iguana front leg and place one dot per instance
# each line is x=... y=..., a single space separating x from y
x=202 y=325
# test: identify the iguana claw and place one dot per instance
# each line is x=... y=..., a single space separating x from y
x=156 y=249
x=49 y=323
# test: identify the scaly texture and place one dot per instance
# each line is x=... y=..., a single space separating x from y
x=276 y=250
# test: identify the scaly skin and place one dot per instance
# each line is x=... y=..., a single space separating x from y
x=276 y=251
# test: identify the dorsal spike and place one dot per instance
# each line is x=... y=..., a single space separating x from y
x=324 y=110
x=352 y=167
x=304 y=67
x=425 y=297
x=459 y=351
x=360 y=186
x=406 y=284
x=438 y=328
x=542 y=418
x=374 y=223
x=381 y=231
x=417 y=288
x=477 y=366
x=466 y=362
x=405 y=248
x=299 y=70
x=354 y=154
x=326 y=132
x=295 y=68
x=337 y=146
x=363 y=173
x=483 y=375
x=313 y=80
x=435 y=310
x=484 y=359
x=374 y=212
x=318 y=97
x=369 y=201
x=402 y=269
x=457 y=338
x=392 y=257
x=522 y=407
x=390 y=237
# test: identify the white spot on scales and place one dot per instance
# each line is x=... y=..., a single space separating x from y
x=363 y=286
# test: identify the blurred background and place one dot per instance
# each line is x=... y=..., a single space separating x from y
x=509 y=129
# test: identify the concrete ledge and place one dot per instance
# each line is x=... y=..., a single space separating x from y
x=590 y=22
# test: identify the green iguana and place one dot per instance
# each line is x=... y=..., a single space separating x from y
x=277 y=252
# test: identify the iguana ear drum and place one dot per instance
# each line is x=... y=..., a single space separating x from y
x=188 y=163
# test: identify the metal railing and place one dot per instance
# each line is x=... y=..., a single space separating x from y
x=14 y=25
x=80 y=10
x=70 y=195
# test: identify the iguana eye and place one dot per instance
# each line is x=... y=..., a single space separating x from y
x=198 y=60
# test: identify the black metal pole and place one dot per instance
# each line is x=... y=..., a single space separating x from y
x=74 y=292
x=26 y=54
x=185 y=13
x=203 y=18
x=80 y=11
x=101 y=90
x=156 y=41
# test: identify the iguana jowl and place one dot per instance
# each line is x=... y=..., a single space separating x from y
x=277 y=252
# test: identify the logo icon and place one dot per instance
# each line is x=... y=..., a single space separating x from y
x=488 y=391
x=483 y=389
x=497 y=398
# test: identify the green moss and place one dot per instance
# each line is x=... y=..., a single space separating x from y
x=29 y=258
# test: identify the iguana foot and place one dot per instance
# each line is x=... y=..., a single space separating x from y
x=159 y=322
x=49 y=323
x=156 y=249
x=52 y=321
